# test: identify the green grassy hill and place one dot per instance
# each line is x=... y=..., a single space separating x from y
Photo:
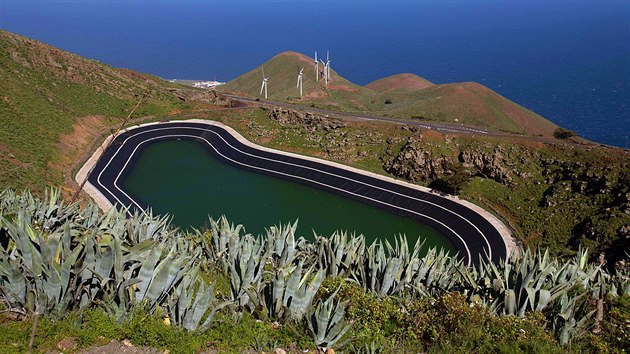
x=401 y=96
x=45 y=91
x=282 y=71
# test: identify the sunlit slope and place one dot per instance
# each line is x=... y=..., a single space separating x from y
x=44 y=91
x=400 y=83
x=469 y=103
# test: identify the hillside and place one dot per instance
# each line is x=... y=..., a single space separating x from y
x=472 y=104
x=400 y=83
x=47 y=93
x=282 y=71
x=400 y=96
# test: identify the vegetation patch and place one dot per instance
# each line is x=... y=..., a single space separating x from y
x=96 y=277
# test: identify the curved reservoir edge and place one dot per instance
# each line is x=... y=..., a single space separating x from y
x=183 y=177
x=472 y=230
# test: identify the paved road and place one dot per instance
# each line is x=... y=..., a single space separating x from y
x=471 y=234
x=446 y=128
x=439 y=127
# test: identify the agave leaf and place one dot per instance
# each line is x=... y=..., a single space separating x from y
x=313 y=286
x=146 y=272
x=544 y=297
x=164 y=272
x=510 y=302
x=292 y=285
x=201 y=304
x=390 y=275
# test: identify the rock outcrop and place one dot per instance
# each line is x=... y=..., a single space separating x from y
x=308 y=121
x=486 y=165
x=415 y=164
x=210 y=96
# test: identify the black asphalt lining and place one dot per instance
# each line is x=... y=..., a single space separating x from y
x=470 y=225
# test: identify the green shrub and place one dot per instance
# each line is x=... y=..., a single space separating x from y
x=562 y=134
x=453 y=183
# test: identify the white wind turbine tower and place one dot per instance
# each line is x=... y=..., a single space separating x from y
x=328 y=65
x=264 y=84
x=316 y=68
x=299 y=81
x=325 y=73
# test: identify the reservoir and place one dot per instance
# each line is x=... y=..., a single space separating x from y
x=181 y=178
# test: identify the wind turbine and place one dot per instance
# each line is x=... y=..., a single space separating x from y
x=264 y=84
x=299 y=81
x=316 y=67
x=325 y=73
x=328 y=64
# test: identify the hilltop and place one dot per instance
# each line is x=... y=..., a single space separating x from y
x=402 y=83
x=282 y=71
x=47 y=94
x=399 y=96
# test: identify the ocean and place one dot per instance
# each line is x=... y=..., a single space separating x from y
x=566 y=60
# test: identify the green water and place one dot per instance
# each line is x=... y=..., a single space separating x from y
x=180 y=178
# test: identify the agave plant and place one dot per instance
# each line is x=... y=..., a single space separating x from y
x=189 y=307
x=327 y=324
x=57 y=258
x=158 y=274
x=378 y=272
x=388 y=272
x=246 y=269
x=281 y=244
x=146 y=226
x=39 y=273
x=223 y=238
x=571 y=318
x=619 y=285
x=340 y=254
x=292 y=289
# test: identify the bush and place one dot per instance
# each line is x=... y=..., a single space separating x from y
x=451 y=184
x=388 y=101
x=563 y=134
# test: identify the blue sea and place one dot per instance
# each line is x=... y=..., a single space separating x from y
x=566 y=60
